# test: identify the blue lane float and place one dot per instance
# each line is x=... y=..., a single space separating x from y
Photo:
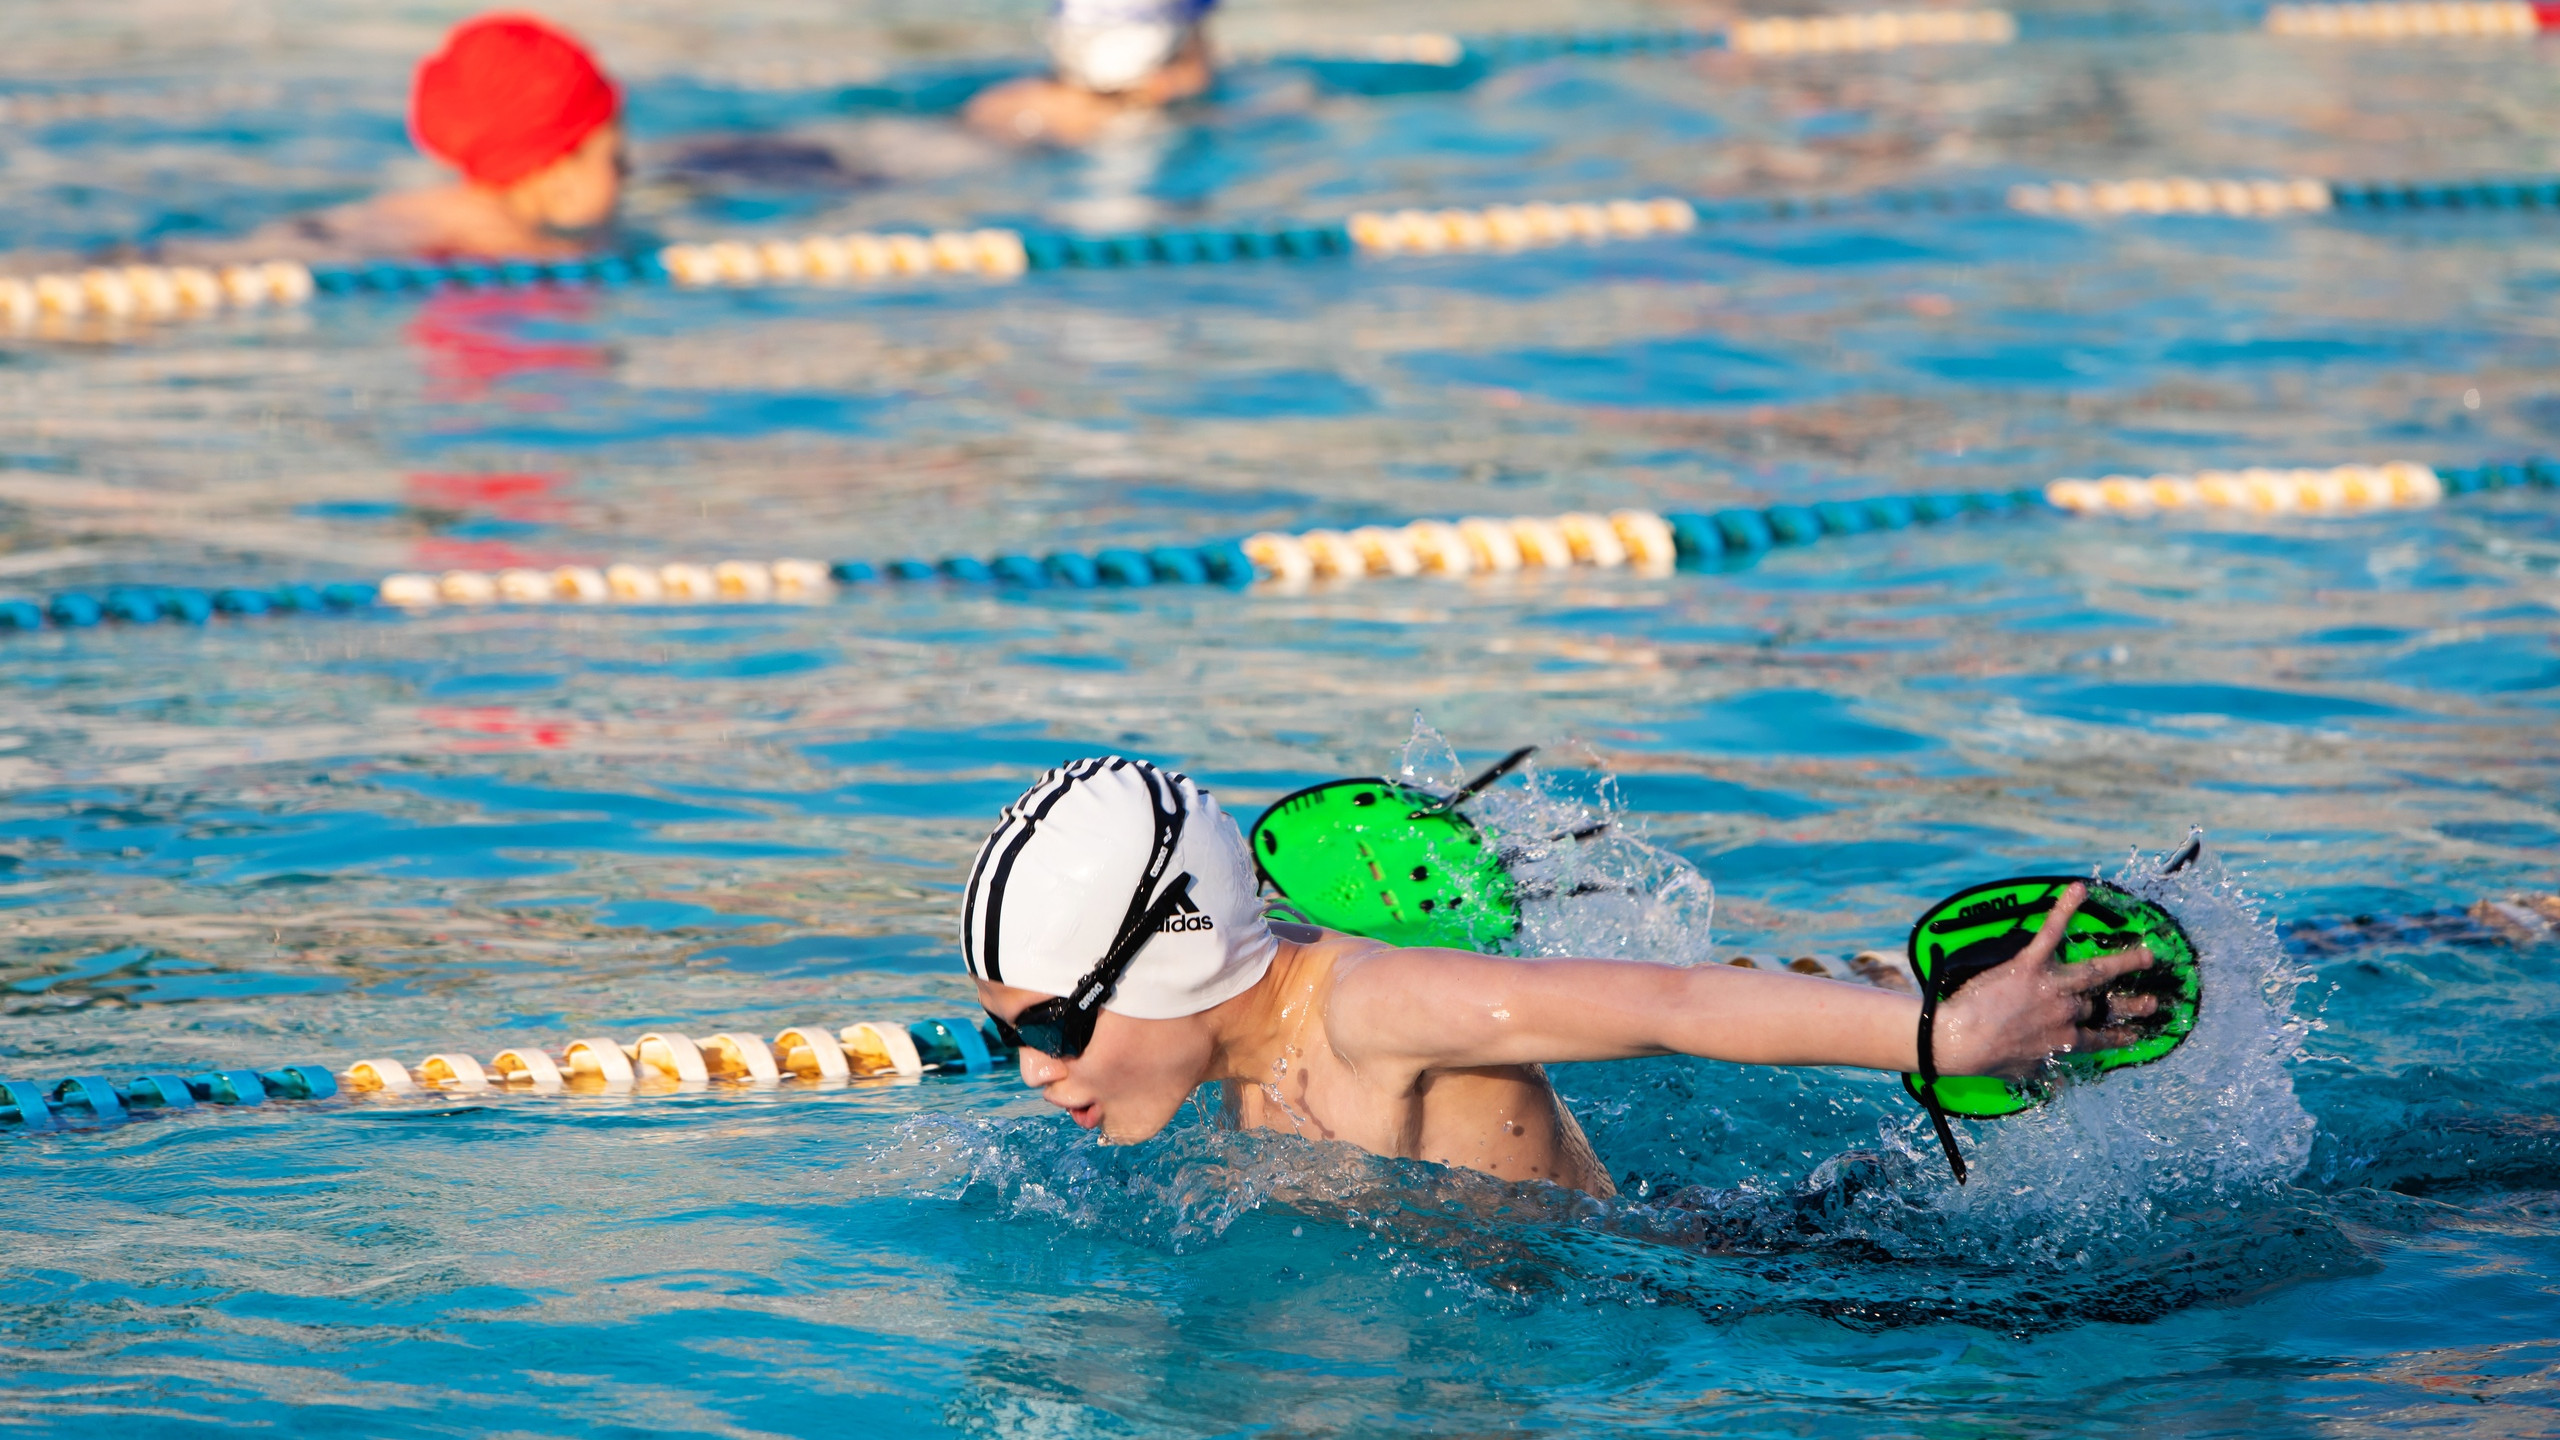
x=45 y=1104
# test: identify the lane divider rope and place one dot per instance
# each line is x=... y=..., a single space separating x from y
x=1880 y=30
x=1779 y=36
x=152 y=292
x=872 y=1049
x=1891 y=30
x=1640 y=540
x=130 y=293
x=1515 y=227
x=2176 y=195
x=2340 y=489
x=886 y=1051
x=942 y=87
x=1871 y=30
x=1428 y=48
x=2428 y=20
x=861 y=256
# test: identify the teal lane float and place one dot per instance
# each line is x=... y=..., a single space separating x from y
x=112 y=295
x=659 y=1062
x=1638 y=540
x=37 y=1104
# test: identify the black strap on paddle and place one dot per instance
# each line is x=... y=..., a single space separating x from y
x=1480 y=784
x=2187 y=854
x=1929 y=1081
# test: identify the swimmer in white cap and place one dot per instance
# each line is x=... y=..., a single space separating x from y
x=1113 y=58
x=1112 y=925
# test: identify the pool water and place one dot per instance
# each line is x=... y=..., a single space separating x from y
x=2337 y=1211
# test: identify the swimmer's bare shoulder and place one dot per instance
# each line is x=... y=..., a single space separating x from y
x=1341 y=1077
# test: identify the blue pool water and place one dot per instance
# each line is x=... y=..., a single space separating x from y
x=330 y=838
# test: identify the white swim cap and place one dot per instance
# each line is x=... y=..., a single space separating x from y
x=1114 y=45
x=1052 y=886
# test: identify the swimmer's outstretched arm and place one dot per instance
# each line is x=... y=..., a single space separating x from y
x=1452 y=1009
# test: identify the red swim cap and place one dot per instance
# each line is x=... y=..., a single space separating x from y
x=507 y=95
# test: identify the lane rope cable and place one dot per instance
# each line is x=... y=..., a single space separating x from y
x=124 y=294
x=659 y=1062
x=1633 y=539
x=882 y=1051
x=1774 y=37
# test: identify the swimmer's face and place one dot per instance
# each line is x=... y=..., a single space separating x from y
x=579 y=190
x=1130 y=1082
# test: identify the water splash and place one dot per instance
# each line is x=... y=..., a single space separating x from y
x=1590 y=883
x=1188 y=1186
x=1864 y=1242
x=2217 y=1119
x=2160 y=1186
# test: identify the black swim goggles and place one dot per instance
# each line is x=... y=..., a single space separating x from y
x=1064 y=1027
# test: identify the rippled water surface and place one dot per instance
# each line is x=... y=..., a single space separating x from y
x=2338 y=1211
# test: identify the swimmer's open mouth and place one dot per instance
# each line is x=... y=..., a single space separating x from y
x=1089 y=1114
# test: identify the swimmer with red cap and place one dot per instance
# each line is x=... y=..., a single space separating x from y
x=522 y=110
x=1114 y=61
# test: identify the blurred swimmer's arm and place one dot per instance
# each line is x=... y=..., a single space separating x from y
x=1050 y=110
x=1040 y=110
x=1450 y=1009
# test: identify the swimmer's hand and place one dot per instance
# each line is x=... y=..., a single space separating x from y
x=2010 y=1019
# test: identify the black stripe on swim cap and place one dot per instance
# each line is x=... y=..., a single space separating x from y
x=1013 y=828
x=986 y=961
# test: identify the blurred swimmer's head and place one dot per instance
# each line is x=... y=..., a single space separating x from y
x=1110 y=910
x=521 y=108
x=1113 y=46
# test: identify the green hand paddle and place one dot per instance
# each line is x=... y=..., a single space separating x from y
x=1975 y=929
x=1390 y=861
